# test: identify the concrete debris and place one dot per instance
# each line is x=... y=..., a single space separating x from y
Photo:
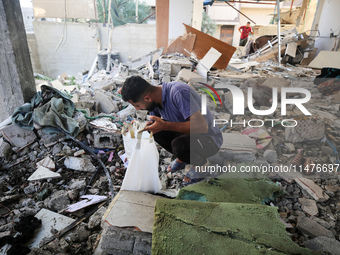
x=309 y=206
x=312 y=189
x=238 y=147
x=311 y=228
x=80 y=164
x=324 y=244
x=5 y=148
x=105 y=103
x=18 y=137
x=50 y=221
x=105 y=139
x=131 y=208
x=46 y=162
x=307 y=130
x=43 y=173
x=270 y=156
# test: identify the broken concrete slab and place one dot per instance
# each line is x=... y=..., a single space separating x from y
x=105 y=139
x=18 y=137
x=270 y=156
x=324 y=244
x=80 y=164
x=186 y=75
x=275 y=82
x=309 y=206
x=238 y=147
x=312 y=228
x=107 y=85
x=46 y=162
x=105 y=103
x=117 y=240
x=49 y=220
x=5 y=148
x=43 y=173
x=313 y=189
x=207 y=62
x=306 y=130
x=203 y=44
x=173 y=66
x=180 y=227
x=326 y=59
x=131 y=208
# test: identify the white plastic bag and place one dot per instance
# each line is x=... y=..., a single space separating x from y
x=142 y=171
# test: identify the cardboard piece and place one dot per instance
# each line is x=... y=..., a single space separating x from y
x=87 y=201
x=310 y=56
x=326 y=59
x=186 y=41
x=203 y=44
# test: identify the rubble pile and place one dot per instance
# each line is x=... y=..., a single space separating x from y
x=72 y=179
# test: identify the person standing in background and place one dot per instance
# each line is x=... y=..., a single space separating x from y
x=245 y=33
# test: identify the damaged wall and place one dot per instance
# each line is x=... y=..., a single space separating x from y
x=187 y=12
x=79 y=43
x=328 y=22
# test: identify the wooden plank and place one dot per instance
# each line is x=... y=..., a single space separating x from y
x=186 y=41
x=203 y=44
x=311 y=55
x=162 y=23
x=302 y=10
x=326 y=59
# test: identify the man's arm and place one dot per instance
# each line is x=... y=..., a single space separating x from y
x=195 y=125
x=239 y=29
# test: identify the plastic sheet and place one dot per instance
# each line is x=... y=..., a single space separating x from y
x=142 y=171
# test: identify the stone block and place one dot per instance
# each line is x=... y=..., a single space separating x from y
x=5 y=148
x=17 y=136
x=105 y=139
x=309 y=206
x=312 y=228
x=324 y=244
x=80 y=164
x=306 y=130
x=105 y=103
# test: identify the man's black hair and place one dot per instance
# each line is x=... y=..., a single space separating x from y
x=248 y=22
x=135 y=88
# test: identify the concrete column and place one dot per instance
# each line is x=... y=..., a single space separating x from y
x=16 y=75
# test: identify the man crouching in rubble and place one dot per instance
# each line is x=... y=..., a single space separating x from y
x=176 y=122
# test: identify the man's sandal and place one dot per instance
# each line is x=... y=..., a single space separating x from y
x=175 y=166
x=195 y=177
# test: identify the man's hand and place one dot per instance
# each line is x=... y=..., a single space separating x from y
x=156 y=125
